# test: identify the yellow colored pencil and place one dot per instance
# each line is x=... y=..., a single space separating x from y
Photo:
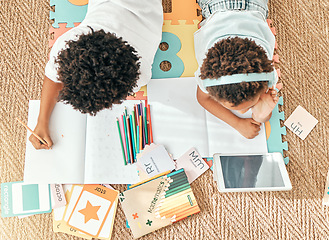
x=161 y=210
x=34 y=134
x=180 y=199
x=171 y=212
x=149 y=179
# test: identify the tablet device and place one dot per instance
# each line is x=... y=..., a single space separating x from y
x=250 y=172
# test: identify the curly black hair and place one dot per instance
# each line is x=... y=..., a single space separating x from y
x=97 y=70
x=232 y=56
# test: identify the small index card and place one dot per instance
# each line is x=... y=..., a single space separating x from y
x=301 y=122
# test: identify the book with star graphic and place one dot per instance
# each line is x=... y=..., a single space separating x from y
x=158 y=203
x=91 y=212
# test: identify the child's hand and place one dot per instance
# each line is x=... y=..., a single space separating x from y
x=43 y=132
x=262 y=111
x=248 y=127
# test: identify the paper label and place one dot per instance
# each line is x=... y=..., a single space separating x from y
x=57 y=195
x=192 y=163
x=155 y=161
x=301 y=122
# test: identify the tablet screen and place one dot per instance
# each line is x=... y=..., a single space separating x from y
x=253 y=171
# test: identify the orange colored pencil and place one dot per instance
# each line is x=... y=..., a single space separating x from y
x=187 y=212
x=182 y=217
x=34 y=134
x=171 y=212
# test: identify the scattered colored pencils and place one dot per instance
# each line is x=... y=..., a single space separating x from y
x=135 y=131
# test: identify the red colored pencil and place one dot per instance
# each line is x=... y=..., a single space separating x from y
x=150 y=123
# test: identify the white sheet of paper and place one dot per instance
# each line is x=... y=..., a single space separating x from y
x=223 y=138
x=70 y=161
x=64 y=163
x=103 y=160
x=178 y=122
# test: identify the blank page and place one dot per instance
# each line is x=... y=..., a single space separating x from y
x=178 y=121
x=104 y=159
x=225 y=139
x=64 y=163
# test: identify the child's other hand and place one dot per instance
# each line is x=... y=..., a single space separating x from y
x=248 y=127
x=43 y=132
x=262 y=111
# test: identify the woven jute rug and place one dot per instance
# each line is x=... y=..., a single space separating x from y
x=302 y=36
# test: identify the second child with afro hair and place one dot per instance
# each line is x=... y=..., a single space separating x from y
x=99 y=63
x=235 y=40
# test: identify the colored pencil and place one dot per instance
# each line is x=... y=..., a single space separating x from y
x=33 y=133
x=174 y=209
x=187 y=212
x=126 y=135
x=140 y=134
x=183 y=194
x=149 y=179
x=120 y=135
x=178 y=177
x=181 y=210
x=124 y=138
x=178 y=189
x=176 y=172
x=148 y=123
x=187 y=191
x=175 y=201
x=145 y=126
x=141 y=123
x=177 y=183
x=130 y=121
x=137 y=138
x=131 y=152
x=126 y=111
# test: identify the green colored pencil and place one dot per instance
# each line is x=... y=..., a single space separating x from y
x=145 y=126
x=122 y=148
x=178 y=189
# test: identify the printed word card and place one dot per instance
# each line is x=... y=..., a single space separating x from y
x=192 y=163
x=18 y=198
x=301 y=122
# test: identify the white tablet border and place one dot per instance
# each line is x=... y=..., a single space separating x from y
x=218 y=174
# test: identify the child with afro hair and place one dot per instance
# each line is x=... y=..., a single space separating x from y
x=102 y=61
x=233 y=48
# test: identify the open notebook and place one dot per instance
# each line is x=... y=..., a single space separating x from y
x=179 y=122
x=86 y=148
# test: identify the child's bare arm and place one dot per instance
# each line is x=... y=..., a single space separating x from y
x=262 y=111
x=49 y=96
x=247 y=127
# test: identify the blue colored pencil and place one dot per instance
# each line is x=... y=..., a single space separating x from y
x=132 y=137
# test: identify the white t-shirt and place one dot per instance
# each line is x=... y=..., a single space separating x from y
x=220 y=25
x=137 y=22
